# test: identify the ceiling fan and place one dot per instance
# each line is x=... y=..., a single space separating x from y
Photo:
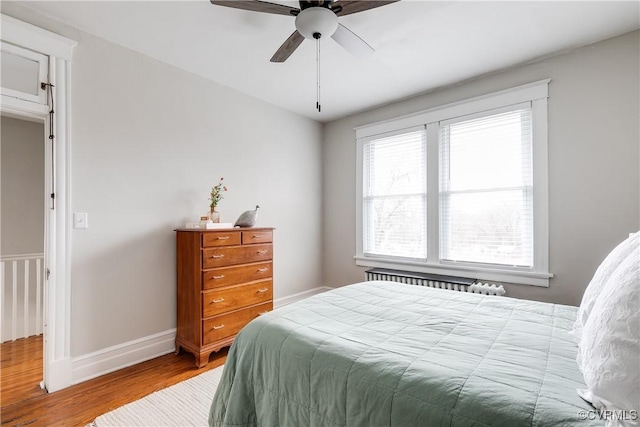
x=314 y=19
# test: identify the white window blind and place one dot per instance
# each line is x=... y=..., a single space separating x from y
x=486 y=197
x=394 y=195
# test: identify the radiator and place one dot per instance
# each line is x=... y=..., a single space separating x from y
x=460 y=284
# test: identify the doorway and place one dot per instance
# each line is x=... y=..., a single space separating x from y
x=22 y=247
x=45 y=64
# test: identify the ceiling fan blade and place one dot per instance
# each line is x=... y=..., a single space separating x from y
x=351 y=42
x=347 y=7
x=258 y=6
x=288 y=47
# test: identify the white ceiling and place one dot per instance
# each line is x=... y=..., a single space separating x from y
x=420 y=45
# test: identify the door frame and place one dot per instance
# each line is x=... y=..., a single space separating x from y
x=57 y=250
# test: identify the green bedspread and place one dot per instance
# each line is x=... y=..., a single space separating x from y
x=390 y=354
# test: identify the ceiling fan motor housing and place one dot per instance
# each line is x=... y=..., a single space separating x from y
x=316 y=20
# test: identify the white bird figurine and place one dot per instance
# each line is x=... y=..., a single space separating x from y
x=247 y=219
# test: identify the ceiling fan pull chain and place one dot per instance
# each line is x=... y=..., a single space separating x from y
x=317 y=37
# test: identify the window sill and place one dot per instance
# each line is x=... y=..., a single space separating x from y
x=497 y=275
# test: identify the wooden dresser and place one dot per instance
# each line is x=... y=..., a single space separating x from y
x=225 y=280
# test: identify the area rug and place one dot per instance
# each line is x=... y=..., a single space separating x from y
x=184 y=404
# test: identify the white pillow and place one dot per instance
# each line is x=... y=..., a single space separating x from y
x=610 y=346
x=602 y=274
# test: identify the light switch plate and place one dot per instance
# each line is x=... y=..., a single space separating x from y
x=80 y=220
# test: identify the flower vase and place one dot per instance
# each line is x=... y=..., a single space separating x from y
x=214 y=216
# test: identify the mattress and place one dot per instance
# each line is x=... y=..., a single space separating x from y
x=390 y=354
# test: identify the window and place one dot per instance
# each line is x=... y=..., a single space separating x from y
x=458 y=190
x=486 y=203
x=395 y=195
x=22 y=72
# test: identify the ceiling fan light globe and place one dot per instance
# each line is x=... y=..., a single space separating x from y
x=316 y=20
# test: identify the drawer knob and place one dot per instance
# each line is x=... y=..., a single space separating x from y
x=262 y=252
x=217 y=256
x=221 y=276
x=263 y=290
x=262 y=270
x=223 y=237
x=257 y=236
x=217 y=300
x=218 y=327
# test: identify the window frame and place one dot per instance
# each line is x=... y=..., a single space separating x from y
x=536 y=94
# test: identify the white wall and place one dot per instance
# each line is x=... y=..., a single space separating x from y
x=148 y=141
x=593 y=162
x=22 y=204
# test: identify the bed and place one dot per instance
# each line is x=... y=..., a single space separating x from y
x=385 y=353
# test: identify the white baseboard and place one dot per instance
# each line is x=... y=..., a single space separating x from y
x=120 y=356
x=281 y=302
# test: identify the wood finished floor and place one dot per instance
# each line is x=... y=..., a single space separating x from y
x=23 y=403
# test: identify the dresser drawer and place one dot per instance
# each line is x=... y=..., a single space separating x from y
x=223 y=300
x=226 y=325
x=232 y=255
x=264 y=236
x=223 y=238
x=226 y=276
